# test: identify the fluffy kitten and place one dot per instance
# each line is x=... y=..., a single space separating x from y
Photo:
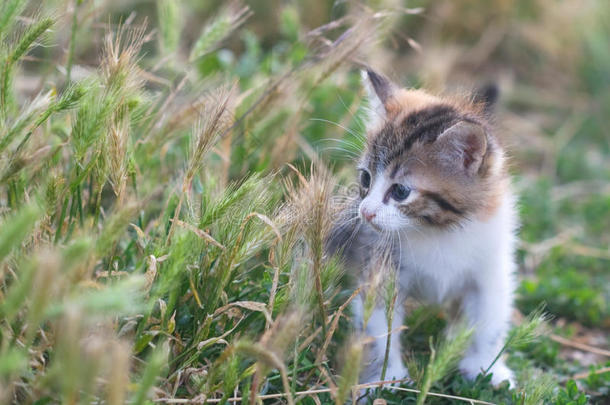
x=433 y=189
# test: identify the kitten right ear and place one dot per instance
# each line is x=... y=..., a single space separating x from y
x=379 y=90
x=465 y=145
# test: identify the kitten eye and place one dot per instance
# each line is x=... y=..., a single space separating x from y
x=365 y=179
x=399 y=192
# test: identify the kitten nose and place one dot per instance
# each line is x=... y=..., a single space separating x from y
x=367 y=215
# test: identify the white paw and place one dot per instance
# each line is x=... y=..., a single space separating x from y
x=471 y=367
x=502 y=373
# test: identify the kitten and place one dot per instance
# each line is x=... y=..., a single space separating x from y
x=434 y=189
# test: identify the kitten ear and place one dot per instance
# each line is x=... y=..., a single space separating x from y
x=379 y=90
x=466 y=144
x=487 y=96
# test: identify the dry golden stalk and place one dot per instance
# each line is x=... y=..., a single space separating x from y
x=117 y=143
x=215 y=119
x=118 y=373
x=310 y=206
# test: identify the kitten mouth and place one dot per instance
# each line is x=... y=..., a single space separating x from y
x=369 y=222
x=375 y=227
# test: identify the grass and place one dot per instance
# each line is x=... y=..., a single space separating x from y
x=169 y=169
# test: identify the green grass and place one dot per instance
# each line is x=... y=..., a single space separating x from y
x=166 y=187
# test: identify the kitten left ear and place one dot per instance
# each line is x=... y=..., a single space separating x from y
x=466 y=144
x=487 y=96
x=379 y=90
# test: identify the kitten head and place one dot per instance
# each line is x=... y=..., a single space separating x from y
x=429 y=162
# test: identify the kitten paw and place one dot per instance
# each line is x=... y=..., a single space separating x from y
x=500 y=372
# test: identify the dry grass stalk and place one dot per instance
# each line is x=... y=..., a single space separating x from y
x=274 y=285
x=201 y=234
x=271 y=350
x=118 y=374
x=123 y=80
x=310 y=205
x=581 y=376
x=120 y=60
x=215 y=118
x=325 y=391
x=117 y=143
x=350 y=371
x=228 y=20
x=579 y=346
x=333 y=326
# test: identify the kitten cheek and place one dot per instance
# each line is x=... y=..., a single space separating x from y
x=401 y=220
x=401 y=215
x=390 y=219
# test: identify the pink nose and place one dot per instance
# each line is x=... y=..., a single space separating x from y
x=367 y=215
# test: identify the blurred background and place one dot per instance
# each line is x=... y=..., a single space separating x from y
x=295 y=66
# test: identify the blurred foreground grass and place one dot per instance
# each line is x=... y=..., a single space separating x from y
x=157 y=243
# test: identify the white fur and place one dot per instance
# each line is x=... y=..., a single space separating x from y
x=473 y=263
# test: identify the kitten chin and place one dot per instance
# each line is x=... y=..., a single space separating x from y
x=435 y=196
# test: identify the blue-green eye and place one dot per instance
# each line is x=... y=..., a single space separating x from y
x=365 y=179
x=399 y=192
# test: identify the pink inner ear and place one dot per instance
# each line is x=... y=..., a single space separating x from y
x=473 y=150
x=468 y=159
x=470 y=139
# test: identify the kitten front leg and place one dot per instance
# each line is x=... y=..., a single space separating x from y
x=377 y=329
x=488 y=308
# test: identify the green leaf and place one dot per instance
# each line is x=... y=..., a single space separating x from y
x=14 y=360
x=16 y=228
